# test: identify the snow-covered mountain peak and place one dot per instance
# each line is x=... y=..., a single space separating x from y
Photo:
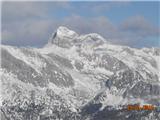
x=62 y=37
x=65 y=32
x=92 y=39
x=93 y=35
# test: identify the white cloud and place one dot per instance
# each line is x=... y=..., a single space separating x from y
x=31 y=32
x=30 y=10
x=22 y=10
x=140 y=26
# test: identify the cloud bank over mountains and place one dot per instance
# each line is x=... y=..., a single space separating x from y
x=31 y=23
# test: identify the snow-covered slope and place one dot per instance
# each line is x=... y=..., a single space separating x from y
x=73 y=74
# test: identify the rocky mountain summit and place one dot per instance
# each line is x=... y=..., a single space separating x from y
x=78 y=77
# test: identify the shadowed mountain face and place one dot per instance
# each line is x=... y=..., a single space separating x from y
x=78 y=77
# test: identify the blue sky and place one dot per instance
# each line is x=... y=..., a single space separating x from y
x=135 y=24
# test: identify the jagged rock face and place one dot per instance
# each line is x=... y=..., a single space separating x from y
x=49 y=73
x=63 y=62
x=21 y=69
x=78 y=77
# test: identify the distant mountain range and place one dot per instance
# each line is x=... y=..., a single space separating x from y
x=78 y=77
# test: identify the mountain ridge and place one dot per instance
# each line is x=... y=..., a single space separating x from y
x=80 y=72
